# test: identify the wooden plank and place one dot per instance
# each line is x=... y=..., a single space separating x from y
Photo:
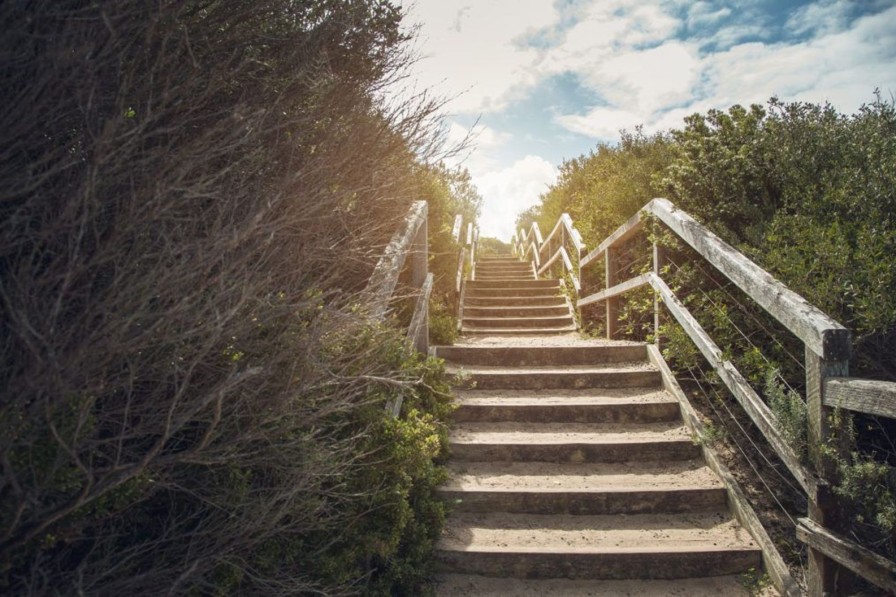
x=418 y=330
x=567 y=263
x=621 y=234
x=461 y=260
x=615 y=290
x=574 y=234
x=469 y=233
x=740 y=505
x=757 y=410
x=458 y=224
x=384 y=278
x=865 y=563
x=823 y=335
x=861 y=395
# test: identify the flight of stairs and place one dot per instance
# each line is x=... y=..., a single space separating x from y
x=572 y=473
x=506 y=298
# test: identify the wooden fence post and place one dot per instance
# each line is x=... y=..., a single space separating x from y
x=659 y=258
x=612 y=302
x=824 y=576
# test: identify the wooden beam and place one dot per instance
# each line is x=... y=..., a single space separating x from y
x=823 y=335
x=574 y=235
x=757 y=410
x=865 y=563
x=418 y=331
x=615 y=290
x=458 y=224
x=861 y=395
x=384 y=278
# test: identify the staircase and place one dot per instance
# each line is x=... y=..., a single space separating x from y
x=571 y=470
x=506 y=298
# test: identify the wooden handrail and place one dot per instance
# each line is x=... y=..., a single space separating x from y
x=867 y=396
x=546 y=252
x=411 y=240
x=827 y=348
x=384 y=279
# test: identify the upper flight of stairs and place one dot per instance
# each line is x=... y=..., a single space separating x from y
x=572 y=473
x=506 y=298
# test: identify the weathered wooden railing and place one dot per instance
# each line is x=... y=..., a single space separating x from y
x=467 y=246
x=563 y=245
x=466 y=252
x=411 y=240
x=827 y=350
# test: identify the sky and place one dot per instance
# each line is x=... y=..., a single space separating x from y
x=536 y=82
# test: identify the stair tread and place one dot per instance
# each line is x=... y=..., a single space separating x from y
x=613 y=367
x=595 y=533
x=550 y=477
x=567 y=433
x=519 y=330
x=465 y=585
x=597 y=397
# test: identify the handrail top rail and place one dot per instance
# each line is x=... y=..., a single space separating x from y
x=565 y=220
x=384 y=278
x=821 y=334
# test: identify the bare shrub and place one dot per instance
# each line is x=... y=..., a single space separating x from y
x=191 y=194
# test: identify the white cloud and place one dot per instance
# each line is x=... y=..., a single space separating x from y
x=509 y=191
x=600 y=123
x=472 y=49
x=648 y=79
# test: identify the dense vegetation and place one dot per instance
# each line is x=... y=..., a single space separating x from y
x=194 y=194
x=810 y=195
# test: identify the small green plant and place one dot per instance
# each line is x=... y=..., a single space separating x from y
x=790 y=411
x=442 y=323
x=754 y=581
x=712 y=435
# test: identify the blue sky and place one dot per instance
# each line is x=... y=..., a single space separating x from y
x=540 y=81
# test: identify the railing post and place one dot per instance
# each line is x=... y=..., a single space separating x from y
x=824 y=576
x=612 y=302
x=659 y=258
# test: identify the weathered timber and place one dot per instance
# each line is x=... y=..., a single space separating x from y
x=418 y=331
x=772 y=561
x=757 y=410
x=612 y=303
x=567 y=263
x=385 y=276
x=820 y=333
x=458 y=224
x=861 y=395
x=461 y=260
x=615 y=290
x=865 y=563
x=823 y=574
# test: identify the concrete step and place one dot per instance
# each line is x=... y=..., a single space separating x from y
x=510 y=286
x=625 y=405
x=535 y=300
x=645 y=546
x=522 y=356
x=468 y=585
x=545 y=378
x=585 y=488
x=518 y=331
x=558 y=310
x=518 y=322
x=509 y=293
x=570 y=442
x=509 y=278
